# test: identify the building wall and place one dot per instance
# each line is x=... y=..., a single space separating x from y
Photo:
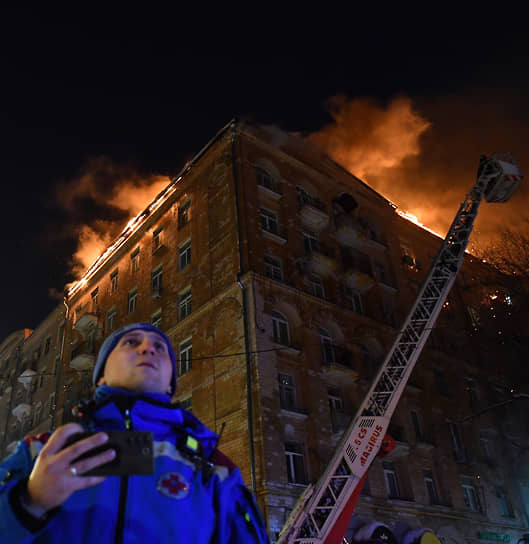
x=454 y=378
x=31 y=379
x=253 y=196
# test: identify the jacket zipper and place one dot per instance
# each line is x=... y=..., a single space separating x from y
x=123 y=489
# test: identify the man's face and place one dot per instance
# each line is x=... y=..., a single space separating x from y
x=140 y=362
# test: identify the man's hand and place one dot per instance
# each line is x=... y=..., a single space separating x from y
x=54 y=478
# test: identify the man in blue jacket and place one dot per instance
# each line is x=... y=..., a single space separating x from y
x=195 y=497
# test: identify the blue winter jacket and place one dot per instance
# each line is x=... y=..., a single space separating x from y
x=184 y=501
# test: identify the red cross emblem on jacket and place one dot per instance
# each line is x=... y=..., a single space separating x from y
x=173 y=485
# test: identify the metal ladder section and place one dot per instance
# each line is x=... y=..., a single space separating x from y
x=318 y=509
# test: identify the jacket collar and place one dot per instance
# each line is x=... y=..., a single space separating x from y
x=149 y=412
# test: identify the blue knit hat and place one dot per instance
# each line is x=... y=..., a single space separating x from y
x=112 y=341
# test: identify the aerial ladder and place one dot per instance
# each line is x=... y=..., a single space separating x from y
x=323 y=511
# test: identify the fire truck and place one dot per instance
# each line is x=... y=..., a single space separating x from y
x=323 y=511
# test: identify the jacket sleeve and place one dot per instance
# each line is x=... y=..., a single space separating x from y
x=13 y=469
x=238 y=516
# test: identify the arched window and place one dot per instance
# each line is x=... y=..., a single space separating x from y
x=281 y=328
x=327 y=347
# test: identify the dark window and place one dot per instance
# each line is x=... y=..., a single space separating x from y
x=184 y=304
x=264 y=178
x=327 y=347
x=417 y=425
x=95 y=299
x=133 y=301
x=111 y=320
x=185 y=356
x=184 y=255
x=156 y=319
x=457 y=441
x=504 y=504
x=295 y=459
x=273 y=268
x=355 y=300
x=287 y=392
x=281 y=329
x=184 y=213
x=269 y=221
x=470 y=494
x=431 y=487
x=390 y=477
x=135 y=260
x=156 y=282
x=114 y=281
x=316 y=286
x=157 y=239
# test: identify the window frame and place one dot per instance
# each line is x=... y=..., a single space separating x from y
x=430 y=484
x=183 y=214
x=294 y=469
x=264 y=178
x=156 y=281
x=111 y=319
x=327 y=347
x=391 y=480
x=269 y=221
x=287 y=392
x=470 y=494
x=317 y=288
x=279 y=325
x=132 y=300
x=114 y=281
x=156 y=319
x=135 y=261
x=185 y=303
x=274 y=268
x=184 y=255
x=185 y=356
x=355 y=299
x=157 y=239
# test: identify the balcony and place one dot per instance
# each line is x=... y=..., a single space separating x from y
x=21 y=411
x=320 y=257
x=348 y=231
x=272 y=232
x=268 y=188
x=358 y=271
x=337 y=360
x=353 y=232
x=294 y=412
x=26 y=378
x=86 y=322
x=83 y=361
x=83 y=357
x=312 y=212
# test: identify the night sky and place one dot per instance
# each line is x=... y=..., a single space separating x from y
x=92 y=102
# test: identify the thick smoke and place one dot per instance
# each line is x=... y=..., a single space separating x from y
x=423 y=154
x=99 y=202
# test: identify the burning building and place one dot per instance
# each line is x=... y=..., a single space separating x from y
x=281 y=280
